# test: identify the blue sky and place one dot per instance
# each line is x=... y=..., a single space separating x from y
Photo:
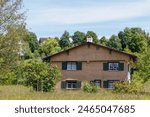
x=50 y=18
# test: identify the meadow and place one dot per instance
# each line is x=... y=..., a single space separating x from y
x=19 y=92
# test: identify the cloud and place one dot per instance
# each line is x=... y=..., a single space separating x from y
x=68 y=15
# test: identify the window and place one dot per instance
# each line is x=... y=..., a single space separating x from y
x=96 y=82
x=71 y=65
x=109 y=84
x=70 y=84
x=113 y=66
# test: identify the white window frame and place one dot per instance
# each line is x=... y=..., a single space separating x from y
x=71 y=66
x=113 y=66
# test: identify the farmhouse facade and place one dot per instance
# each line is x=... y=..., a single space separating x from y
x=92 y=63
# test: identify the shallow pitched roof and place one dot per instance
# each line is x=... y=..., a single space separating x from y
x=133 y=56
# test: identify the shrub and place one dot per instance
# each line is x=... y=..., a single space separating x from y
x=126 y=87
x=39 y=75
x=90 y=88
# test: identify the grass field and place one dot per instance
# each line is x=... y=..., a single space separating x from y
x=24 y=93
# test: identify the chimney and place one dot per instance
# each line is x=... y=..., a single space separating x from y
x=89 y=39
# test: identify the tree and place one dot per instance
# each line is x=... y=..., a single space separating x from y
x=78 y=38
x=41 y=76
x=135 y=39
x=33 y=42
x=103 y=41
x=49 y=46
x=12 y=33
x=64 y=41
x=93 y=35
x=143 y=66
x=114 y=42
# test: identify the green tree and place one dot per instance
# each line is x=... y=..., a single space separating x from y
x=135 y=39
x=78 y=38
x=103 y=41
x=64 y=41
x=33 y=42
x=93 y=35
x=114 y=42
x=12 y=34
x=143 y=66
x=49 y=46
x=41 y=76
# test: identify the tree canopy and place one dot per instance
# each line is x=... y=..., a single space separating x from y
x=114 y=42
x=32 y=41
x=64 y=40
x=50 y=46
x=12 y=34
x=135 y=39
x=79 y=38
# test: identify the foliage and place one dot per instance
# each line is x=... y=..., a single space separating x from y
x=32 y=41
x=64 y=41
x=125 y=87
x=93 y=35
x=103 y=41
x=49 y=46
x=133 y=38
x=7 y=77
x=39 y=75
x=143 y=66
x=114 y=42
x=78 y=38
x=12 y=34
x=90 y=88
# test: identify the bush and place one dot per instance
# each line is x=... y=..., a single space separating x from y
x=126 y=87
x=39 y=75
x=7 y=77
x=90 y=88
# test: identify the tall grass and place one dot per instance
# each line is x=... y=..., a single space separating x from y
x=18 y=92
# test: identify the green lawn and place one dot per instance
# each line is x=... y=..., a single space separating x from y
x=24 y=93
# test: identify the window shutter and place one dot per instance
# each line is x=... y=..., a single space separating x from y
x=121 y=66
x=64 y=65
x=63 y=84
x=105 y=84
x=78 y=84
x=79 y=65
x=105 y=66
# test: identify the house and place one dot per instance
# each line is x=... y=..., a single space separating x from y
x=93 y=63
